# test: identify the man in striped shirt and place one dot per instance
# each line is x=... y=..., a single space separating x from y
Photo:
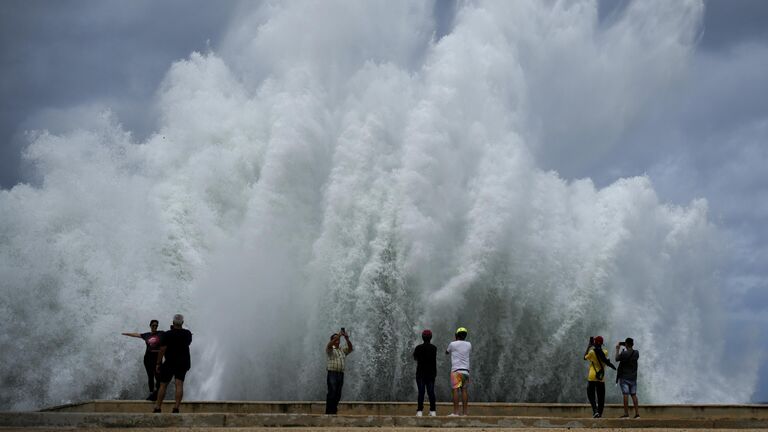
x=335 y=366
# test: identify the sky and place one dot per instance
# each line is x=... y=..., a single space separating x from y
x=62 y=62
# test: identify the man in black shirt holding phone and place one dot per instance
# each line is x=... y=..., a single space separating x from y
x=626 y=374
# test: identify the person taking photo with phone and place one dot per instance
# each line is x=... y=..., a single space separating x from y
x=597 y=356
x=626 y=375
x=335 y=359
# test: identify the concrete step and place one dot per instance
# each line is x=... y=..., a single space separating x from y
x=255 y=414
x=408 y=409
x=52 y=419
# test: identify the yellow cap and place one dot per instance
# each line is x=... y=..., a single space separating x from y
x=461 y=330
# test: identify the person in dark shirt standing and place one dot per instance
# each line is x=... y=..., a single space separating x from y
x=426 y=371
x=174 y=348
x=626 y=374
x=152 y=340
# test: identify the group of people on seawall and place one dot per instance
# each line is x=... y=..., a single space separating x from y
x=425 y=356
x=626 y=373
x=167 y=357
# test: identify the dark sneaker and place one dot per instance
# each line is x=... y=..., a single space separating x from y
x=152 y=396
x=175 y=411
x=595 y=415
x=637 y=416
x=156 y=410
x=625 y=416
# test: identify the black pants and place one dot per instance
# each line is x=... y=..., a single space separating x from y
x=335 y=381
x=150 y=361
x=429 y=384
x=596 y=388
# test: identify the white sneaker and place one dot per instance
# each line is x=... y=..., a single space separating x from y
x=433 y=413
x=453 y=415
x=419 y=413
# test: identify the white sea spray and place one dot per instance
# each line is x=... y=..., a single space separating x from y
x=335 y=164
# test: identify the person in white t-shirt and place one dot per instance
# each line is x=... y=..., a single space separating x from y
x=460 y=350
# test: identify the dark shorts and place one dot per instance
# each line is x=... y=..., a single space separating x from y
x=167 y=372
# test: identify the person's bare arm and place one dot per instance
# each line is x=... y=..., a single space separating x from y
x=160 y=356
x=349 y=343
x=136 y=335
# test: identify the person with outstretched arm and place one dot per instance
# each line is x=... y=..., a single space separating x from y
x=152 y=341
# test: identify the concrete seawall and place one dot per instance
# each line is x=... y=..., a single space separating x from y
x=243 y=414
x=497 y=409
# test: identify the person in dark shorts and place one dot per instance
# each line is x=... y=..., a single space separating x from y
x=426 y=371
x=174 y=348
x=626 y=374
x=152 y=340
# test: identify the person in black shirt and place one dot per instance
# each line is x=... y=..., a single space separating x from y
x=174 y=348
x=152 y=340
x=426 y=370
x=626 y=374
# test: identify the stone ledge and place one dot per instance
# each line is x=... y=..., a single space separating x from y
x=167 y=420
x=485 y=409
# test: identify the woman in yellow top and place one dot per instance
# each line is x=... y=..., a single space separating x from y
x=597 y=356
